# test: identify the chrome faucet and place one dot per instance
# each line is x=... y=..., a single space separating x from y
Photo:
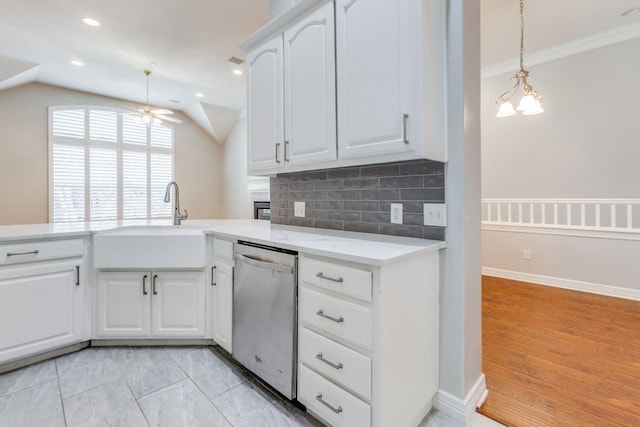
x=177 y=216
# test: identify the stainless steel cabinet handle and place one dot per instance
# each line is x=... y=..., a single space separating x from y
x=144 y=285
x=335 y=319
x=405 y=118
x=277 y=152
x=286 y=151
x=77 y=275
x=328 y=362
x=213 y=269
x=153 y=284
x=322 y=276
x=328 y=405
x=35 y=252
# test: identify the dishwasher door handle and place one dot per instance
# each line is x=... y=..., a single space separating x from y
x=264 y=264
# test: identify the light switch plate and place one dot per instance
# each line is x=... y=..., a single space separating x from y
x=396 y=213
x=435 y=214
x=298 y=209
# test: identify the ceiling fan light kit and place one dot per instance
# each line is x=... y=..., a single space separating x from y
x=530 y=102
x=147 y=115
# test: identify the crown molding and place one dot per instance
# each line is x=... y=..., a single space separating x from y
x=595 y=41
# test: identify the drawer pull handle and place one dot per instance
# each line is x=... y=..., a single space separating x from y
x=36 y=252
x=328 y=362
x=322 y=276
x=326 y=316
x=328 y=405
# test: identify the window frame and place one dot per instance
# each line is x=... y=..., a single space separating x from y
x=119 y=145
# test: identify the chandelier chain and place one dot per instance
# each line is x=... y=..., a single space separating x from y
x=521 y=34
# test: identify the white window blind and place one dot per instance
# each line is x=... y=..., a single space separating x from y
x=104 y=165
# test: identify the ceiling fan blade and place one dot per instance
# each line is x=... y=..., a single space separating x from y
x=162 y=111
x=167 y=118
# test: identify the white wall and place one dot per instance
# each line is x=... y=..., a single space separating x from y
x=585 y=145
x=460 y=291
x=24 y=155
x=237 y=200
x=587 y=142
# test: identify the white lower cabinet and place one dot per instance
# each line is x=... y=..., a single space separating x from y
x=41 y=302
x=222 y=284
x=150 y=304
x=223 y=305
x=368 y=340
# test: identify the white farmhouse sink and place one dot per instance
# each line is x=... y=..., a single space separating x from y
x=150 y=248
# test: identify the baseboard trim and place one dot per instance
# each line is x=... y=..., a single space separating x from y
x=557 y=282
x=150 y=342
x=458 y=409
x=40 y=357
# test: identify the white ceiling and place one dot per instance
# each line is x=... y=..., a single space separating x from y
x=548 y=23
x=191 y=41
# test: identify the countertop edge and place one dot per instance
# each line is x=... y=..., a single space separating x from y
x=414 y=246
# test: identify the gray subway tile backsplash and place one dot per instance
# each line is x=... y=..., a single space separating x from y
x=359 y=198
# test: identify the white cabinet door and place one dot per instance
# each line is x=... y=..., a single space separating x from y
x=123 y=304
x=178 y=301
x=265 y=131
x=223 y=305
x=309 y=89
x=374 y=77
x=41 y=308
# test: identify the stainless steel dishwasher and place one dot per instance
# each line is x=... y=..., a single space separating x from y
x=264 y=314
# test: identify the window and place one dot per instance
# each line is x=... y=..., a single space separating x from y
x=104 y=165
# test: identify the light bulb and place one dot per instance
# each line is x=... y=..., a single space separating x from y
x=157 y=121
x=505 y=110
x=147 y=118
x=533 y=108
x=525 y=101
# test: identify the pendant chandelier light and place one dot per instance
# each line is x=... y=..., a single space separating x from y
x=530 y=101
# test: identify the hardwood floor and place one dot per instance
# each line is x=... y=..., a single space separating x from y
x=555 y=357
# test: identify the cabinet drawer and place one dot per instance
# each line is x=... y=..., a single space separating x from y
x=340 y=408
x=343 y=365
x=346 y=320
x=39 y=251
x=338 y=278
x=223 y=249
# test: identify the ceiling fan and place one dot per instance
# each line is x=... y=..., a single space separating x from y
x=148 y=115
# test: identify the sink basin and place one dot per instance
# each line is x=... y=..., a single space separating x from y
x=159 y=247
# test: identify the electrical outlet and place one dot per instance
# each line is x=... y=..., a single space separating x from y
x=396 y=213
x=526 y=254
x=298 y=209
x=435 y=214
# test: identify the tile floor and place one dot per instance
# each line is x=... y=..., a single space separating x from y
x=196 y=386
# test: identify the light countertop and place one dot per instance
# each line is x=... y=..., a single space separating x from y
x=349 y=246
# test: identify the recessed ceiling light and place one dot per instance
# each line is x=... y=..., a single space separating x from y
x=77 y=63
x=91 y=22
x=200 y=95
x=237 y=72
x=630 y=11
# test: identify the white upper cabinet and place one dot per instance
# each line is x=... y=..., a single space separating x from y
x=391 y=79
x=351 y=83
x=291 y=96
x=374 y=77
x=309 y=88
x=265 y=129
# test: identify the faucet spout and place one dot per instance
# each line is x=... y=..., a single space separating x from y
x=177 y=216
